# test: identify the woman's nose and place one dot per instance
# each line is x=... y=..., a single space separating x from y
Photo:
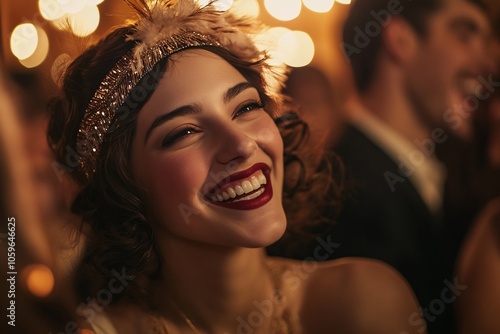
x=234 y=145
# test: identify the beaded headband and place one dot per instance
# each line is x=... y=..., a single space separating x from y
x=164 y=28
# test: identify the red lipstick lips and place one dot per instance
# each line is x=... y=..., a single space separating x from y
x=245 y=190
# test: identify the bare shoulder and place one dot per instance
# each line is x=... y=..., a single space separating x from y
x=478 y=269
x=354 y=295
x=483 y=239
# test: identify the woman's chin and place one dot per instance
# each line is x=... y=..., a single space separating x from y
x=267 y=236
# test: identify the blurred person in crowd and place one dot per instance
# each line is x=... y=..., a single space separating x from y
x=412 y=62
x=493 y=141
x=478 y=265
x=312 y=92
x=487 y=144
x=183 y=179
x=38 y=296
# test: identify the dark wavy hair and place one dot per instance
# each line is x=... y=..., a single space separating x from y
x=118 y=236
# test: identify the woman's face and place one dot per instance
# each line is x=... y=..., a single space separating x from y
x=209 y=156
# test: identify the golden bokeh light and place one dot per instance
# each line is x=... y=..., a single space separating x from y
x=39 y=279
x=85 y=21
x=319 y=6
x=41 y=51
x=50 y=9
x=221 y=5
x=270 y=40
x=296 y=48
x=24 y=40
x=58 y=67
x=72 y=6
x=82 y=24
x=246 y=7
x=86 y=331
x=30 y=44
x=283 y=10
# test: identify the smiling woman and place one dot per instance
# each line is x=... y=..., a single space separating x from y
x=184 y=179
x=212 y=118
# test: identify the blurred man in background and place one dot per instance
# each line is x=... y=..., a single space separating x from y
x=418 y=66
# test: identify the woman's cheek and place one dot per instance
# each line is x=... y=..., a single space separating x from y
x=177 y=180
x=268 y=136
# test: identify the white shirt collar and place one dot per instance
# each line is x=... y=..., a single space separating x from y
x=423 y=170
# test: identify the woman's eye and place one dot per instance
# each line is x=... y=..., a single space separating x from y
x=178 y=135
x=248 y=107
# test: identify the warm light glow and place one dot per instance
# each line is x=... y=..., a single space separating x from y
x=270 y=39
x=61 y=23
x=39 y=279
x=24 y=40
x=86 y=331
x=221 y=5
x=283 y=10
x=319 y=6
x=94 y=2
x=246 y=7
x=203 y=3
x=296 y=48
x=41 y=51
x=85 y=22
x=58 y=67
x=72 y=6
x=344 y=2
x=50 y=9
x=82 y=23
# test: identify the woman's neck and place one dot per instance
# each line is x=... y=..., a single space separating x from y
x=212 y=286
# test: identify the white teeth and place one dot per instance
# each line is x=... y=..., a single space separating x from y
x=247 y=186
x=239 y=190
x=231 y=192
x=251 y=196
x=255 y=183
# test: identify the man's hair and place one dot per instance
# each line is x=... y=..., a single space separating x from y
x=361 y=34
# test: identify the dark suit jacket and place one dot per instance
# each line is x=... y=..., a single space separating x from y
x=392 y=225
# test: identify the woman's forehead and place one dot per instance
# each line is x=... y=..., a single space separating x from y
x=196 y=71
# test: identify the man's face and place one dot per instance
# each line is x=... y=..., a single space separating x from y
x=451 y=56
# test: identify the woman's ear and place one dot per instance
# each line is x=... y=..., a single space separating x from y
x=400 y=40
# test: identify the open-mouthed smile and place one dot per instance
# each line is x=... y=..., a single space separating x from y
x=244 y=190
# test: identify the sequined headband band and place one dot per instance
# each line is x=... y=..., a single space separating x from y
x=117 y=86
x=163 y=28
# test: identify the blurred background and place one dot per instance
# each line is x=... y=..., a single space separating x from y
x=34 y=43
x=37 y=39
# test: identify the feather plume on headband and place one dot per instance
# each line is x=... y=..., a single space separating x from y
x=163 y=28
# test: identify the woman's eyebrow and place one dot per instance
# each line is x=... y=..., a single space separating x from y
x=178 y=112
x=230 y=94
